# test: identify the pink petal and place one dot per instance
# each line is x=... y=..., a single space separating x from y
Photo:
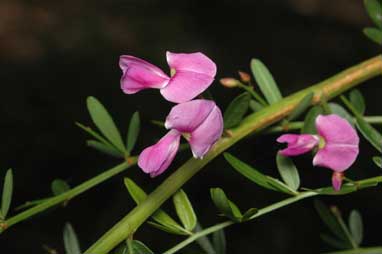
x=341 y=143
x=139 y=74
x=337 y=180
x=186 y=117
x=208 y=132
x=297 y=144
x=194 y=74
x=156 y=158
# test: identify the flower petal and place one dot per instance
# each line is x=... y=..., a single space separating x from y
x=139 y=74
x=337 y=180
x=194 y=73
x=186 y=117
x=156 y=158
x=341 y=143
x=208 y=132
x=297 y=144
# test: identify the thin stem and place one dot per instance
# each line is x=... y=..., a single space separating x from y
x=255 y=95
x=254 y=122
x=370 y=250
x=69 y=194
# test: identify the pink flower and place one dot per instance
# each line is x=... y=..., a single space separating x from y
x=194 y=73
x=199 y=121
x=337 y=141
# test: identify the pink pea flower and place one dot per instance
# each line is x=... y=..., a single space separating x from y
x=337 y=142
x=199 y=121
x=193 y=73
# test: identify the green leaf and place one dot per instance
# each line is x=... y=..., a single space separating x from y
x=357 y=100
x=105 y=123
x=265 y=81
x=159 y=216
x=374 y=9
x=59 y=186
x=139 y=248
x=249 y=213
x=341 y=111
x=373 y=34
x=310 y=120
x=219 y=242
x=329 y=219
x=204 y=242
x=184 y=210
x=247 y=171
x=133 y=132
x=280 y=186
x=334 y=242
x=288 y=171
x=169 y=228
x=236 y=110
x=71 y=243
x=356 y=226
x=378 y=161
x=7 y=193
x=255 y=106
x=101 y=147
x=301 y=107
x=224 y=205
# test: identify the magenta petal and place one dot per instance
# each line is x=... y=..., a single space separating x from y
x=194 y=73
x=341 y=143
x=186 y=117
x=337 y=180
x=139 y=74
x=208 y=132
x=156 y=158
x=297 y=144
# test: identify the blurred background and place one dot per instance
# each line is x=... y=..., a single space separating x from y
x=53 y=54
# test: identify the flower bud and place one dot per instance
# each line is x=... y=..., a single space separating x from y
x=229 y=82
x=245 y=77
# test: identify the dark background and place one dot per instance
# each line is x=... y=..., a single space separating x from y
x=53 y=54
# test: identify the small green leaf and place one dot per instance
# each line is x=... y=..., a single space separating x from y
x=280 y=186
x=159 y=216
x=302 y=106
x=96 y=135
x=378 y=161
x=329 y=219
x=101 y=147
x=224 y=205
x=356 y=226
x=334 y=242
x=7 y=193
x=105 y=123
x=71 y=243
x=184 y=210
x=373 y=34
x=247 y=171
x=342 y=112
x=139 y=248
x=133 y=132
x=169 y=228
x=357 y=100
x=255 y=106
x=236 y=110
x=288 y=171
x=219 y=242
x=374 y=9
x=249 y=213
x=59 y=186
x=265 y=81
x=310 y=120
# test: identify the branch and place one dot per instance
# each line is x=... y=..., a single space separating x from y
x=253 y=123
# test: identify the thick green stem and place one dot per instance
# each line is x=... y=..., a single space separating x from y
x=68 y=195
x=254 y=122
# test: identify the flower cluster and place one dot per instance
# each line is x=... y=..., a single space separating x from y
x=199 y=121
x=337 y=143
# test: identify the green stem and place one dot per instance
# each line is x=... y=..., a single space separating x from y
x=69 y=194
x=297 y=125
x=254 y=122
x=369 y=182
x=370 y=250
x=255 y=95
